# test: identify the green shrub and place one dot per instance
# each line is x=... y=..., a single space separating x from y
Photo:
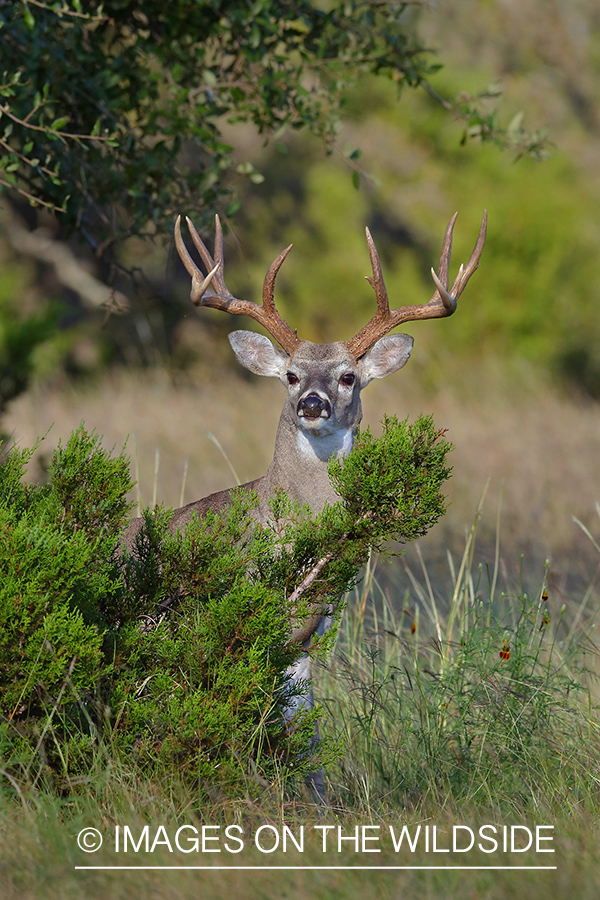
x=174 y=657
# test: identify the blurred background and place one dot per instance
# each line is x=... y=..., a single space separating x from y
x=101 y=328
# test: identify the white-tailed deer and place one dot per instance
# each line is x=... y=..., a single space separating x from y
x=323 y=381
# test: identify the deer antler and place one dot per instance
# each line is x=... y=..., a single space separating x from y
x=222 y=298
x=442 y=303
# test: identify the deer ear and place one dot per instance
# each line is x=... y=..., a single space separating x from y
x=257 y=353
x=388 y=355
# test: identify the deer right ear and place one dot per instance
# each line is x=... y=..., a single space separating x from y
x=256 y=353
x=388 y=355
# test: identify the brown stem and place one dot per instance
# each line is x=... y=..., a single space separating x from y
x=64 y=134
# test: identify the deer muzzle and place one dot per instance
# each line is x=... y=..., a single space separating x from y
x=314 y=407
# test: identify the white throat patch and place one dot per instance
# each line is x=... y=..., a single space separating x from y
x=322 y=447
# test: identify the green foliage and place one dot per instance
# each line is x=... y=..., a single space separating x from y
x=201 y=684
x=393 y=484
x=112 y=116
x=89 y=486
x=175 y=655
x=56 y=563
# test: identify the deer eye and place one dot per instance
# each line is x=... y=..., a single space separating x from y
x=292 y=379
x=348 y=379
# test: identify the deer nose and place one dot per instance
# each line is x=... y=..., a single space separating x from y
x=313 y=406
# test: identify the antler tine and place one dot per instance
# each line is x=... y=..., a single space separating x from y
x=222 y=298
x=201 y=247
x=199 y=282
x=444 y=263
x=465 y=272
x=442 y=303
x=441 y=277
x=450 y=296
x=218 y=240
x=215 y=264
x=268 y=294
x=377 y=282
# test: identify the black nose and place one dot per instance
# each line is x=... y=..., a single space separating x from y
x=314 y=406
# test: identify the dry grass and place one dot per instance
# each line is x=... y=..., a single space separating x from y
x=52 y=855
x=537 y=446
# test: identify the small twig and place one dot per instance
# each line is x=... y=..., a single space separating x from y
x=66 y=12
x=310 y=625
x=443 y=101
x=356 y=167
x=33 y=111
x=25 y=159
x=63 y=134
x=304 y=632
x=35 y=200
x=314 y=573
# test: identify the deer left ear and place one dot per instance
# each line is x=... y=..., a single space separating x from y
x=258 y=354
x=388 y=355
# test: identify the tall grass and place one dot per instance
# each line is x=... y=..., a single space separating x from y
x=483 y=698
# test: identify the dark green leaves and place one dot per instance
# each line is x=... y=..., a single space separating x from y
x=97 y=107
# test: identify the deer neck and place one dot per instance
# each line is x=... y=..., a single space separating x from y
x=300 y=462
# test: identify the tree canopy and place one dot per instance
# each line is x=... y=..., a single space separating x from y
x=111 y=114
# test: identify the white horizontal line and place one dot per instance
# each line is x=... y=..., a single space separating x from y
x=314 y=868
